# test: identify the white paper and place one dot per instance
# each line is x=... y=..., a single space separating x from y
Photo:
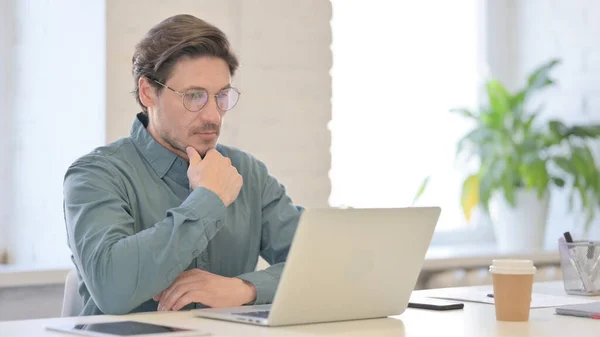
x=537 y=300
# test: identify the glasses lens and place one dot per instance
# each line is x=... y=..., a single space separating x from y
x=195 y=99
x=227 y=99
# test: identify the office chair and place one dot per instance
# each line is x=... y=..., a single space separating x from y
x=72 y=304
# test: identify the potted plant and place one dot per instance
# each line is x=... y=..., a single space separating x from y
x=520 y=157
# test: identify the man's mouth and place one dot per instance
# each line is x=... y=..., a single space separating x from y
x=207 y=135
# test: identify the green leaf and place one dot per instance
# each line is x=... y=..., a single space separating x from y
x=579 y=162
x=518 y=100
x=563 y=163
x=528 y=123
x=557 y=133
x=464 y=112
x=558 y=128
x=492 y=120
x=421 y=189
x=478 y=138
x=592 y=131
x=467 y=138
x=539 y=78
x=592 y=176
x=490 y=173
x=499 y=98
x=535 y=175
x=582 y=194
x=509 y=190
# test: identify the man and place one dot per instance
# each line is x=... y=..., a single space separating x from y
x=167 y=218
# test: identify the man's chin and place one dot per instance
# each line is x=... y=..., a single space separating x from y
x=202 y=149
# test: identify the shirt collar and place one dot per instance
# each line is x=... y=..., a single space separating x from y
x=160 y=158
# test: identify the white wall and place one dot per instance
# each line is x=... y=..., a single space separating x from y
x=568 y=30
x=6 y=37
x=58 y=114
x=73 y=85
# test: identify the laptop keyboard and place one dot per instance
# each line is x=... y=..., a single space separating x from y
x=260 y=314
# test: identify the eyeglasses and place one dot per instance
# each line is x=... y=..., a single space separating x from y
x=194 y=99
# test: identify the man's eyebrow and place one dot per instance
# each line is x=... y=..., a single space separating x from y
x=197 y=87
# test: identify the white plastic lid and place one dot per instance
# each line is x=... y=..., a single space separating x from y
x=512 y=267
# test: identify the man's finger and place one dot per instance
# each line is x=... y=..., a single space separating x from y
x=186 y=299
x=193 y=155
x=212 y=153
x=170 y=294
x=166 y=296
x=157 y=297
x=167 y=302
x=182 y=278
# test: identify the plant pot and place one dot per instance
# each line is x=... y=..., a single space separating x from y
x=521 y=228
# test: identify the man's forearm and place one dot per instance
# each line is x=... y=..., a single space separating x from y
x=117 y=268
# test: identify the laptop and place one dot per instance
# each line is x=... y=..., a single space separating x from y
x=345 y=264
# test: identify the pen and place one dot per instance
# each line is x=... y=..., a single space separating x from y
x=568 y=237
x=591 y=250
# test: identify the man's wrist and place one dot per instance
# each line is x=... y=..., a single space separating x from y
x=250 y=291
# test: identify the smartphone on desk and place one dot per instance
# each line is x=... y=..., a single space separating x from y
x=434 y=304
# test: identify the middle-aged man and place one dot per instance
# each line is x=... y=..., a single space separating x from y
x=167 y=218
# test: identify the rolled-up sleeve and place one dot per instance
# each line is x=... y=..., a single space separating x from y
x=122 y=268
x=280 y=219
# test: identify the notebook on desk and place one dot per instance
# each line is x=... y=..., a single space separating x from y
x=590 y=310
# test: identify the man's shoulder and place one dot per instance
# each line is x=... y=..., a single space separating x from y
x=110 y=154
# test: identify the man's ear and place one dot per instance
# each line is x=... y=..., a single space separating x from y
x=147 y=92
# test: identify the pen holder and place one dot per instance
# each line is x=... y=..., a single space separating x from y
x=579 y=261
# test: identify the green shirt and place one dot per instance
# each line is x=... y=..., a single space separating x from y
x=134 y=225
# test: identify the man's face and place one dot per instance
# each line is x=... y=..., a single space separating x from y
x=171 y=124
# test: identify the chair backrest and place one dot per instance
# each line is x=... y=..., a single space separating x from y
x=72 y=303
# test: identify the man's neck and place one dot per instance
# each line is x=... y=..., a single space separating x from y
x=165 y=143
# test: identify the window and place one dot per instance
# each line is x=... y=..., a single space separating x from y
x=398 y=67
x=52 y=112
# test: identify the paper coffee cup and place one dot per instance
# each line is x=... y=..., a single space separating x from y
x=513 y=281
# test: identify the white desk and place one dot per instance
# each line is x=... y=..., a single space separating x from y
x=477 y=320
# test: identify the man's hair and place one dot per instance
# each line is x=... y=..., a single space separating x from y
x=172 y=39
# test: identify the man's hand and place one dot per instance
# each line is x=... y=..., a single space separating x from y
x=199 y=286
x=215 y=173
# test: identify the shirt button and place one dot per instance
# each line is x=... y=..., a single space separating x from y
x=218 y=222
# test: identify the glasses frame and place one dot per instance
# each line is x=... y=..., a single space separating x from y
x=182 y=94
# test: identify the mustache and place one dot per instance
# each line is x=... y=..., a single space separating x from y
x=204 y=128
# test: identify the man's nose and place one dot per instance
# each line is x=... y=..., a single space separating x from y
x=211 y=113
